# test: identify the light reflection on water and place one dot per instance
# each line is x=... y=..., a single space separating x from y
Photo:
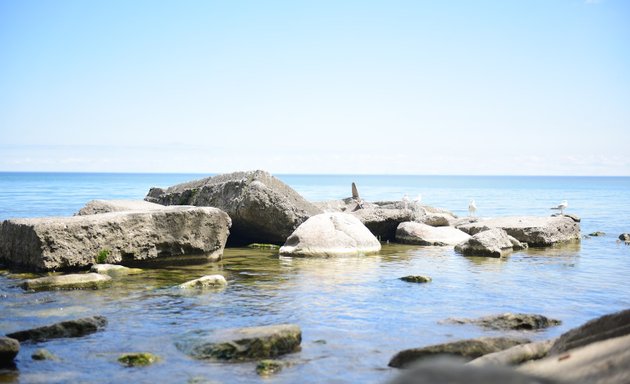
x=354 y=312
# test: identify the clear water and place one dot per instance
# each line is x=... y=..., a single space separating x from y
x=355 y=313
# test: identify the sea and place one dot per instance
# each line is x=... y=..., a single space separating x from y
x=355 y=313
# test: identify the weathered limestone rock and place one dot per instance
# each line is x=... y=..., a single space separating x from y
x=9 y=348
x=454 y=371
x=66 y=282
x=262 y=208
x=494 y=242
x=330 y=234
x=533 y=230
x=604 y=361
x=205 y=282
x=382 y=222
x=105 y=206
x=605 y=327
x=422 y=234
x=137 y=359
x=242 y=343
x=113 y=269
x=438 y=219
x=130 y=237
x=416 y=279
x=70 y=328
x=468 y=349
x=516 y=355
x=511 y=321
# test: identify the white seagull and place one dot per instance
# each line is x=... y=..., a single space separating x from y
x=562 y=206
x=472 y=208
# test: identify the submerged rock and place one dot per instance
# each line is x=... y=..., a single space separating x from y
x=494 y=242
x=511 y=321
x=468 y=349
x=263 y=246
x=137 y=359
x=330 y=234
x=422 y=234
x=597 y=234
x=262 y=208
x=205 y=282
x=113 y=269
x=416 y=279
x=70 y=328
x=168 y=234
x=533 y=230
x=268 y=367
x=43 y=354
x=242 y=343
x=72 y=281
x=105 y=206
x=624 y=237
x=516 y=355
x=9 y=348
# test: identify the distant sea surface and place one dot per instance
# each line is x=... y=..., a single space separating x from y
x=355 y=313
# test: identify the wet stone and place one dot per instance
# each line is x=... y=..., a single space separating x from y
x=416 y=279
x=70 y=328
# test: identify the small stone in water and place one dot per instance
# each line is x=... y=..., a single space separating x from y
x=416 y=279
x=139 y=359
x=43 y=354
x=268 y=367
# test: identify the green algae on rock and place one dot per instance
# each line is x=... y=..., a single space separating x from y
x=137 y=359
x=268 y=367
x=416 y=279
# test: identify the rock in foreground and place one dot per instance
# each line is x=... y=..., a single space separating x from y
x=9 y=348
x=207 y=281
x=67 y=282
x=242 y=343
x=511 y=321
x=70 y=328
x=330 y=234
x=422 y=234
x=494 y=242
x=128 y=237
x=468 y=349
x=515 y=355
x=262 y=208
x=533 y=230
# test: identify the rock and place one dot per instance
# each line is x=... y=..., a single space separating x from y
x=494 y=242
x=454 y=371
x=113 y=269
x=262 y=208
x=605 y=327
x=604 y=361
x=624 y=237
x=516 y=355
x=170 y=234
x=263 y=246
x=597 y=234
x=9 y=348
x=105 y=206
x=422 y=234
x=535 y=231
x=43 y=354
x=416 y=279
x=513 y=321
x=205 y=282
x=468 y=349
x=73 y=281
x=70 y=328
x=264 y=342
x=330 y=234
x=137 y=359
x=438 y=219
x=269 y=367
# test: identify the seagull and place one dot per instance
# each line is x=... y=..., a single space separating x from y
x=562 y=206
x=472 y=208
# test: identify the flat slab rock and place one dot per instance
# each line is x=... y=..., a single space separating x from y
x=70 y=328
x=422 y=234
x=242 y=343
x=105 y=206
x=263 y=209
x=126 y=237
x=536 y=231
x=331 y=234
x=67 y=282
x=468 y=349
x=510 y=321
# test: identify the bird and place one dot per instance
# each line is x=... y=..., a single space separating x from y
x=472 y=208
x=562 y=206
x=418 y=199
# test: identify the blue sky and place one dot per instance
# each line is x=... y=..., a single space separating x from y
x=525 y=87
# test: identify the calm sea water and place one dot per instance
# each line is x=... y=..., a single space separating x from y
x=354 y=312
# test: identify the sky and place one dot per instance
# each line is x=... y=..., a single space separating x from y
x=453 y=87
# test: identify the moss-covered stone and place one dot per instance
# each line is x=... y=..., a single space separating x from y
x=597 y=233
x=70 y=328
x=43 y=354
x=263 y=246
x=67 y=282
x=268 y=367
x=137 y=359
x=416 y=279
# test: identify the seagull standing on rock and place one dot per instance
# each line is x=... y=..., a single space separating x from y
x=472 y=208
x=562 y=206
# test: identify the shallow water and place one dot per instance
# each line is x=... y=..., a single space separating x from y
x=355 y=313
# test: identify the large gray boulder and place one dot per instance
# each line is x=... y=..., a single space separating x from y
x=494 y=242
x=105 y=206
x=69 y=328
x=170 y=234
x=263 y=209
x=242 y=343
x=422 y=234
x=9 y=348
x=331 y=234
x=467 y=349
x=67 y=282
x=534 y=230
